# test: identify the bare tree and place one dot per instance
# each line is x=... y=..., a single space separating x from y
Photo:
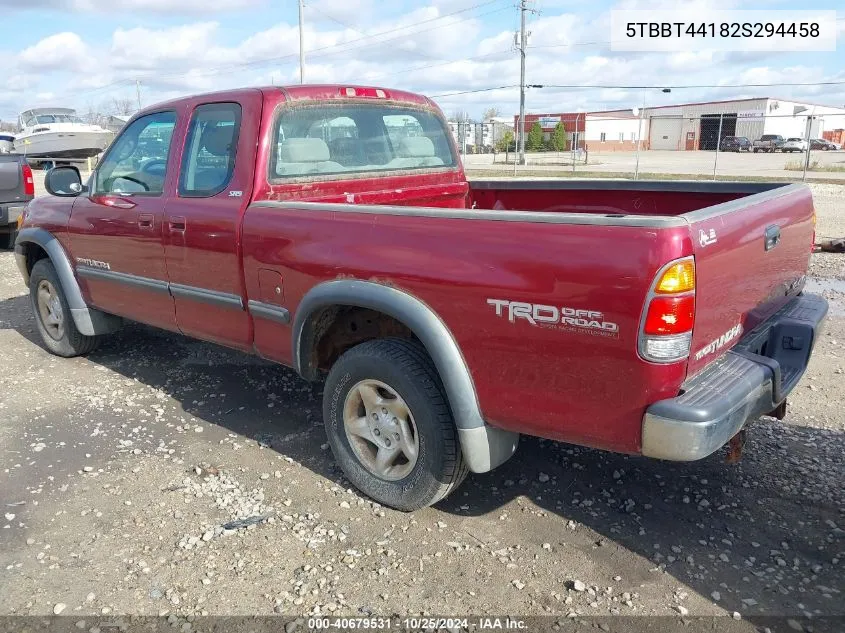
x=8 y=126
x=460 y=116
x=490 y=113
x=122 y=106
x=92 y=115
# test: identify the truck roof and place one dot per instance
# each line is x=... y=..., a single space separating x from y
x=305 y=92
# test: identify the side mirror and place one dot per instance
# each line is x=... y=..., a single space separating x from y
x=64 y=181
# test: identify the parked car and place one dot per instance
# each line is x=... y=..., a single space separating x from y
x=735 y=144
x=17 y=188
x=794 y=145
x=768 y=143
x=7 y=143
x=446 y=316
x=822 y=144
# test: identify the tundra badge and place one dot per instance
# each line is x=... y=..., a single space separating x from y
x=93 y=263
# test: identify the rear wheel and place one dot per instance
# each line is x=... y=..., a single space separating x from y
x=52 y=313
x=389 y=424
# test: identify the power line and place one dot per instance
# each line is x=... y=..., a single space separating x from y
x=357 y=30
x=675 y=87
x=640 y=87
x=333 y=49
x=467 y=92
x=443 y=63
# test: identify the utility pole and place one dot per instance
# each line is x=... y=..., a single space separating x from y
x=523 y=39
x=138 y=91
x=640 y=131
x=807 y=134
x=718 y=143
x=639 y=136
x=301 y=44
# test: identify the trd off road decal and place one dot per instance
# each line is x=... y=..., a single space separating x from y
x=558 y=317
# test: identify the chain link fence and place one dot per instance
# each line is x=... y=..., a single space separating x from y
x=724 y=146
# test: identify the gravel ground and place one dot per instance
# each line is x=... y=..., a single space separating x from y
x=164 y=476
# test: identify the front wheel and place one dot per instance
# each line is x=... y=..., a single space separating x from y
x=389 y=424
x=52 y=313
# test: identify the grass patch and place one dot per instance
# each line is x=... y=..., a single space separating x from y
x=605 y=175
x=798 y=165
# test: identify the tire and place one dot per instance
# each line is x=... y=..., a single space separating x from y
x=403 y=366
x=62 y=339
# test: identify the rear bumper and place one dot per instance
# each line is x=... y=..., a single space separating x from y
x=751 y=380
x=9 y=213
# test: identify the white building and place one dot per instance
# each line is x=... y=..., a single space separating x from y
x=465 y=129
x=613 y=131
x=697 y=126
x=493 y=130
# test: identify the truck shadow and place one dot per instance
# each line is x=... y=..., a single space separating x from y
x=764 y=530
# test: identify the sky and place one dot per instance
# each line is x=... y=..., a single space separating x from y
x=88 y=54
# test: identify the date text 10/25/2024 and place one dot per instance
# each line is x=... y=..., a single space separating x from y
x=417 y=623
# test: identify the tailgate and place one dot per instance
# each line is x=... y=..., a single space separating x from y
x=11 y=186
x=750 y=255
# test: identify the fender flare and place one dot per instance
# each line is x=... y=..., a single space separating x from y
x=89 y=321
x=484 y=446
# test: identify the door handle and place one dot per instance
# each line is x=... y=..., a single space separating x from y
x=146 y=220
x=177 y=224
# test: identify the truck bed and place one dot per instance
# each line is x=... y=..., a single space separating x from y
x=610 y=197
x=584 y=245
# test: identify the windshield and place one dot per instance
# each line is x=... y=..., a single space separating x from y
x=55 y=118
x=358 y=138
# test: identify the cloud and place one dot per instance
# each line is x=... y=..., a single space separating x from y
x=143 y=48
x=62 y=51
x=149 y=6
x=355 y=41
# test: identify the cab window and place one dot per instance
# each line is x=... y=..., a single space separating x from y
x=136 y=163
x=209 y=156
x=357 y=139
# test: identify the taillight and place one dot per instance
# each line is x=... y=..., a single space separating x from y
x=669 y=315
x=28 y=182
x=377 y=93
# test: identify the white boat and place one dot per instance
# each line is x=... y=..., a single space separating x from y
x=59 y=133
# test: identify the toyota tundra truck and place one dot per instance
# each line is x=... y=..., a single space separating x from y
x=331 y=228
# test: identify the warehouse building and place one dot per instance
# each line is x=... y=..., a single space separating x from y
x=695 y=126
x=692 y=126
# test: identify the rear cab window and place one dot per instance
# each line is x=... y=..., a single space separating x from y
x=349 y=140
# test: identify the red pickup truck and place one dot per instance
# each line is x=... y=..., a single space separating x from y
x=331 y=228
